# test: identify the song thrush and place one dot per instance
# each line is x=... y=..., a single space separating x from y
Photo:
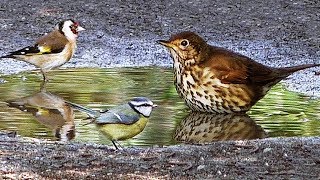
x=214 y=79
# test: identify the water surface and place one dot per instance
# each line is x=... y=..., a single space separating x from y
x=280 y=113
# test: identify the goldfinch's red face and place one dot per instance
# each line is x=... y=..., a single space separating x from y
x=70 y=29
x=75 y=28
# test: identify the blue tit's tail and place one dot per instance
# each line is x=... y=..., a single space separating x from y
x=91 y=113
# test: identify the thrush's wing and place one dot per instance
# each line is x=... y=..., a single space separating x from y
x=53 y=42
x=234 y=68
x=118 y=115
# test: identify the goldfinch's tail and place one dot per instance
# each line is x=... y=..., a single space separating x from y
x=7 y=56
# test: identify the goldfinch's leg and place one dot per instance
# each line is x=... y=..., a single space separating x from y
x=44 y=74
x=43 y=85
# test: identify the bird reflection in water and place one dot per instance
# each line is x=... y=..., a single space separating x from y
x=199 y=128
x=50 y=110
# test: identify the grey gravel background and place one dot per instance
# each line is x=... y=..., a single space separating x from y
x=273 y=158
x=275 y=33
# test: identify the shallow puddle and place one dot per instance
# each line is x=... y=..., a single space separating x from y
x=30 y=112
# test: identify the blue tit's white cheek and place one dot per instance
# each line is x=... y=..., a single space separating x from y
x=148 y=111
x=144 y=110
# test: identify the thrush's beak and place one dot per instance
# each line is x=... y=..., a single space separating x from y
x=165 y=43
x=80 y=28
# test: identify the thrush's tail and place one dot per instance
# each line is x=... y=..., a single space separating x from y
x=280 y=73
x=289 y=70
x=90 y=112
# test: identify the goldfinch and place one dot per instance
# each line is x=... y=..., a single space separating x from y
x=50 y=110
x=121 y=122
x=51 y=50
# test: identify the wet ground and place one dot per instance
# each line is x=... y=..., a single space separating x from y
x=276 y=33
x=36 y=113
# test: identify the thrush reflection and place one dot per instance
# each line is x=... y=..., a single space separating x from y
x=50 y=110
x=200 y=127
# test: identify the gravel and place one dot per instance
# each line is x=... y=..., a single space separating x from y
x=275 y=33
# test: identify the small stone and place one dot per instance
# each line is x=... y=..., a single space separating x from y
x=200 y=167
x=267 y=150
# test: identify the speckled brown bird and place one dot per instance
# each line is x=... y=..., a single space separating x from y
x=199 y=128
x=214 y=79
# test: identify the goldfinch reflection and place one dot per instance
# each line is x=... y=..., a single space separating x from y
x=51 y=111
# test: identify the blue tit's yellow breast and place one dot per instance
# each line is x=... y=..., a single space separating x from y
x=123 y=131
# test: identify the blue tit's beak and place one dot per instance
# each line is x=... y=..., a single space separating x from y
x=154 y=105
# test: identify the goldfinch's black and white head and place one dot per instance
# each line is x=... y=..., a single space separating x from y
x=142 y=105
x=70 y=29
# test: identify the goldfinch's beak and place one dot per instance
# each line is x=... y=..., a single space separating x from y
x=80 y=29
x=166 y=43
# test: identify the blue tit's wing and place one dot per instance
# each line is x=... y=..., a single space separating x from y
x=117 y=118
x=118 y=115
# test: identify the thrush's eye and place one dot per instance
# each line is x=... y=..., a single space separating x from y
x=185 y=43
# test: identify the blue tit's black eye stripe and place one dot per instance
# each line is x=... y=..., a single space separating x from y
x=144 y=105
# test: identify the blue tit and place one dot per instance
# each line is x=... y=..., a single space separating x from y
x=121 y=122
x=51 y=50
